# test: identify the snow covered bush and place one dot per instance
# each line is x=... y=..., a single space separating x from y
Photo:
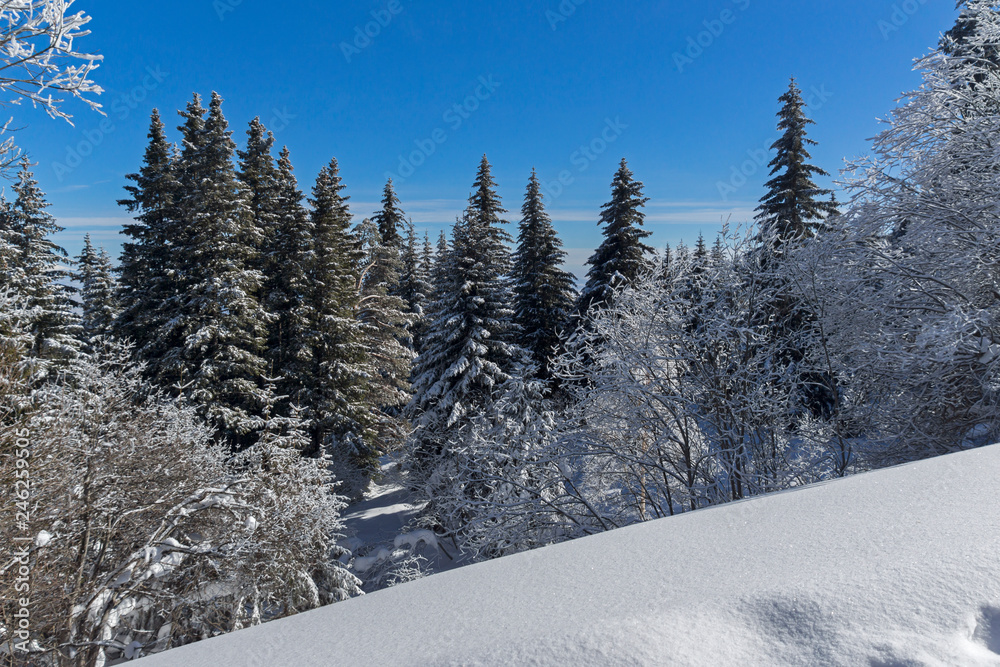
x=142 y=534
x=677 y=400
x=499 y=489
x=906 y=283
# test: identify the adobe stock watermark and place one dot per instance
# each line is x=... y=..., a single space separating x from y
x=704 y=40
x=759 y=158
x=364 y=36
x=280 y=119
x=21 y=556
x=121 y=108
x=223 y=7
x=901 y=14
x=585 y=156
x=565 y=10
x=455 y=116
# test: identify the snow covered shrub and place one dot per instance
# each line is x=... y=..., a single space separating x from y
x=907 y=282
x=142 y=535
x=499 y=490
x=677 y=400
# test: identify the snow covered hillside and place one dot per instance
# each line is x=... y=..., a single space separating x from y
x=897 y=567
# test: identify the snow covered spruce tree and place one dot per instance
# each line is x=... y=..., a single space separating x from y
x=147 y=281
x=259 y=182
x=414 y=285
x=791 y=211
x=469 y=350
x=906 y=288
x=384 y=320
x=622 y=256
x=147 y=535
x=216 y=329
x=336 y=394
x=98 y=291
x=35 y=275
x=289 y=258
x=390 y=220
x=543 y=291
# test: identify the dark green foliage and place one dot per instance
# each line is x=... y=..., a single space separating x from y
x=622 y=257
x=288 y=285
x=147 y=281
x=98 y=296
x=217 y=329
x=791 y=210
x=469 y=350
x=543 y=291
x=35 y=277
x=337 y=393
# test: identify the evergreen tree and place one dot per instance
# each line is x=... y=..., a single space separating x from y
x=38 y=279
x=97 y=291
x=414 y=289
x=338 y=389
x=288 y=286
x=440 y=279
x=543 y=291
x=622 y=257
x=218 y=330
x=789 y=213
x=147 y=279
x=260 y=183
x=791 y=210
x=469 y=350
x=718 y=252
x=390 y=219
x=384 y=323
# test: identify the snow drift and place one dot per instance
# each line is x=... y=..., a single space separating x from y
x=897 y=567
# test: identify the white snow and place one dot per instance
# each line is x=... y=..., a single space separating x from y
x=898 y=567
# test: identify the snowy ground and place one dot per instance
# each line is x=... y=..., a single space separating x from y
x=895 y=568
x=382 y=534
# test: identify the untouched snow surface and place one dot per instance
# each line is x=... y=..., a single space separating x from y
x=895 y=568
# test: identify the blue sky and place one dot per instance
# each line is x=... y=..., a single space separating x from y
x=686 y=91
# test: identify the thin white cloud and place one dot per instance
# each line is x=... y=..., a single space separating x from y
x=84 y=224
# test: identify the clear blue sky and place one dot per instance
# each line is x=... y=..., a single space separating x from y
x=558 y=72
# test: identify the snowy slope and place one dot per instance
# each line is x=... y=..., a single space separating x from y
x=893 y=568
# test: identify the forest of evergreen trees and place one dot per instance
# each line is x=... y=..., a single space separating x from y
x=203 y=409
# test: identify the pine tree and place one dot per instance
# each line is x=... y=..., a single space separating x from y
x=289 y=257
x=219 y=328
x=338 y=390
x=12 y=276
x=718 y=252
x=791 y=210
x=147 y=279
x=390 y=219
x=469 y=350
x=384 y=323
x=622 y=257
x=39 y=279
x=543 y=291
x=97 y=291
x=789 y=213
x=259 y=180
x=414 y=289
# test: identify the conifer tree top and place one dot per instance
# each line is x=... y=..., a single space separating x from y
x=622 y=257
x=791 y=209
x=391 y=218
